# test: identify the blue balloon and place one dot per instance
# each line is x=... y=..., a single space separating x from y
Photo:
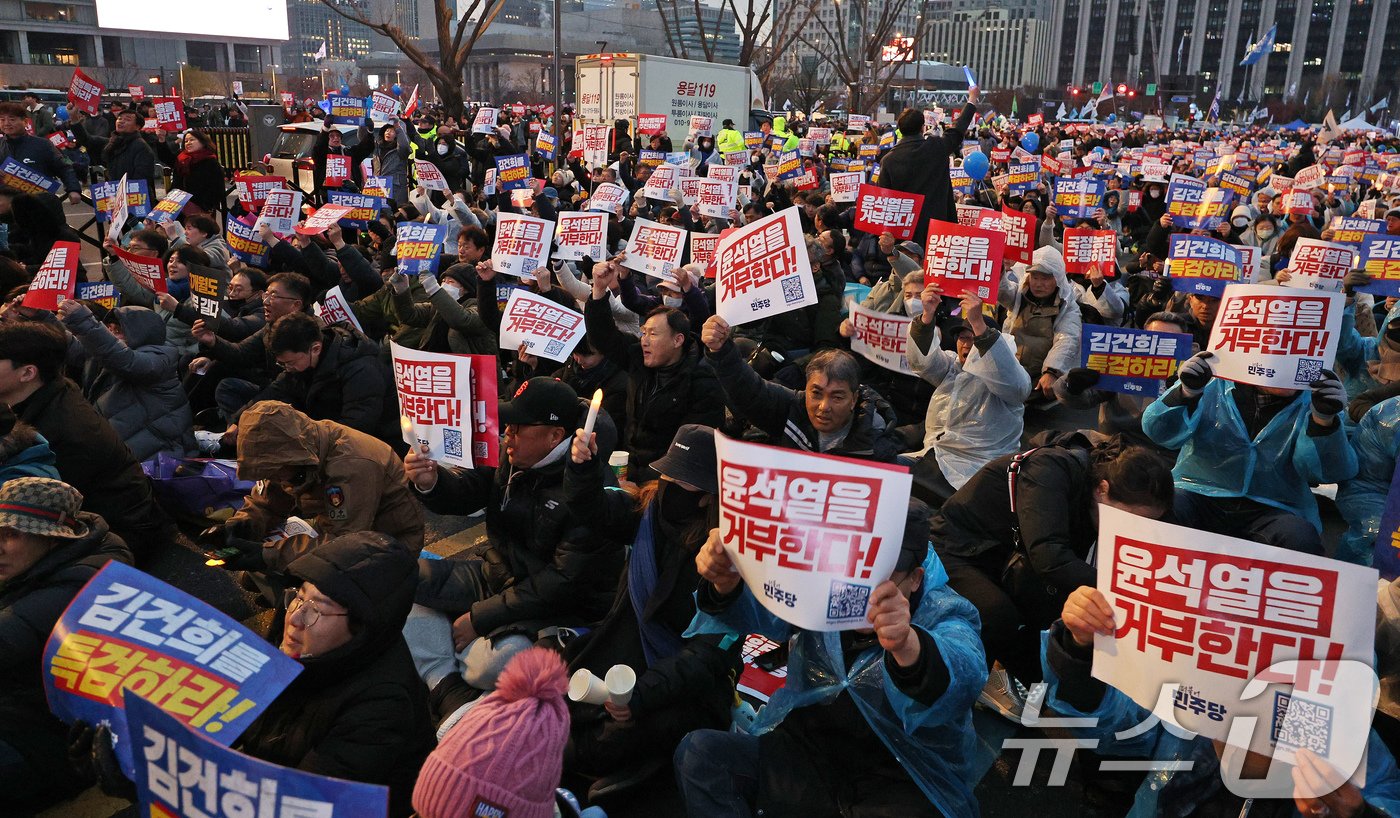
x=397 y=89
x=1030 y=142
x=975 y=165
x=61 y=113
x=324 y=105
x=344 y=90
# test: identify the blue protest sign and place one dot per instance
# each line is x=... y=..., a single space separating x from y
x=1203 y=265
x=364 y=209
x=101 y=292
x=346 y=110
x=168 y=207
x=1079 y=196
x=138 y=198
x=1133 y=361
x=512 y=172
x=127 y=629
x=19 y=176
x=244 y=244
x=180 y=772
x=418 y=247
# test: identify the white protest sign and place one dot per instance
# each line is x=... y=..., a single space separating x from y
x=319 y=221
x=335 y=309
x=543 y=326
x=120 y=209
x=1207 y=616
x=724 y=173
x=581 y=235
x=1275 y=336
x=661 y=182
x=596 y=139
x=608 y=197
x=385 y=107
x=715 y=198
x=880 y=338
x=762 y=269
x=1319 y=265
x=702 y=125
x=280 y=211
x=655 y=249
x=845 y=186
x=429 y=176
x=485 y=121
x=435 y=402
x=812 y=535
x=521 y=246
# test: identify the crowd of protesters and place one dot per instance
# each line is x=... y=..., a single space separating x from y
x=444 y=679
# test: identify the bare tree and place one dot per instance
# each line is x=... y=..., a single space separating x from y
x=765 y=30
x=456 y=37
x=803 y=81
x=852 y=44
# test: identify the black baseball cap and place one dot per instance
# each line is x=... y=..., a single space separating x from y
x=691 y=458
x=541 y=402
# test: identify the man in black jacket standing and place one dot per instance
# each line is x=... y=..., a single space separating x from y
x=34 y=152
x=919 y=164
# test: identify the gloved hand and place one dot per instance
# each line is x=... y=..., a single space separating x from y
x=1329 y=397
x=1161 y=288
x=1196 y=373
x=429 y=282
x=1355 y=278
x=1080 y=378
x=90 y=752
x=399 y=282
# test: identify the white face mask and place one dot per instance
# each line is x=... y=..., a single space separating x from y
x=442 y=150
x=913 y=307
x=1155 y=193
x=453 y=290
x=670 y=301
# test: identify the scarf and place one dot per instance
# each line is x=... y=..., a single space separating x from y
x=188 y=159
x=658 y=641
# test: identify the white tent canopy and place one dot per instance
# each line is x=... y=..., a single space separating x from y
x=1359 y=124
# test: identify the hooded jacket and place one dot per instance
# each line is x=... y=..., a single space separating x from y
x=919 y=164
x=135 y=382
x=131 y=156
x=359 y=711
x=357 y=484
x=30 y=604
x=780 y=128
x=1362 y=499
x=659 y=400
x=977 y=411
x=25 y=453
x=1059 y=343
x=780 y=413
x=350 y=384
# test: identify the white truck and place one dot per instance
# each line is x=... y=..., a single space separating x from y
x=609 y=87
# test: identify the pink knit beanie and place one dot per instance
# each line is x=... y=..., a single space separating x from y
x=505 y=757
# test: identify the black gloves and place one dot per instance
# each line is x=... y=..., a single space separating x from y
x=1329 y=397
x=90 y=752
x=1195 y=374
x=1079 y=379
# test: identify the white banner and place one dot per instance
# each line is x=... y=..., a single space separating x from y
x=1275 y=336
x=1319 y=265
x=1206 y=616
x=547 y=329
x=596 y=139
x=521 y=246
x=881 y=338
x=661 y=182
x=762 y=269
x=281 y=211
x=812 y=535
x=429 y=176
x=655 y=249
x=435 y=402
x=580 y=235
x=608 y=197
x=702 y=125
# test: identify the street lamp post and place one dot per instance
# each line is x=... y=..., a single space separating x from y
x=558 y=81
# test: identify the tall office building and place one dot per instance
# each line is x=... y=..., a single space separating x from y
x=311 y=23
x=1005 y=42
x=1329 y=51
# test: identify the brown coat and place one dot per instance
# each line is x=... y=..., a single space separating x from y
x=359 y=486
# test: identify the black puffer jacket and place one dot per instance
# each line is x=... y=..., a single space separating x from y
x=350 y=384
x=135 y=383
x=30 y=604
x=659 y=401
x=780 y=414
x=538 y=565
x=358 y=712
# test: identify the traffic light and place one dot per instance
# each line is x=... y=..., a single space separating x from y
x=1074 y=90
x=1122 y=89
x=1098 y=88
x=1132 y=92
x=1152 y=89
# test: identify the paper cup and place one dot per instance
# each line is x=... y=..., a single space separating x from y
x=619 y=682
x=618 y=462
x=587 y=688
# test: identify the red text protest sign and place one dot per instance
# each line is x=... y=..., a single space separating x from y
x=581 y=235
x=148 y=270
x=762 y=269
x=57 y=278
x=1275 y=336
x=85 y=92
x=544 y=327
x=1090 y=250
x=655 y=249
x=879 y=210
x=880 y=338
x=448 y=403
x=964 y=259
x=522 y=244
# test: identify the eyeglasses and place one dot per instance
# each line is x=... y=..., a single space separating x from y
x=267 y=296
x=293 y=602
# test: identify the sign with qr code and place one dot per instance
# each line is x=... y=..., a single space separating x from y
x=1319 y=265
x=1211 y=628
x=762 y=269
x=655 y=249
x=581 y=235
x=182 y=772
x=522 y=244
x=811 y=534
x=963 y=259
x=448 y=403
x=1275 y=336
x=545 y=328
x=127 y=629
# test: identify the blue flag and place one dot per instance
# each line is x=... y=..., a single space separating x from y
x=1257 y=51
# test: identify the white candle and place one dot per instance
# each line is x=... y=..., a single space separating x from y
x=592 y=414
x=410 y=429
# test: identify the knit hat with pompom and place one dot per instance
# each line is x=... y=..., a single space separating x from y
x=505 y=757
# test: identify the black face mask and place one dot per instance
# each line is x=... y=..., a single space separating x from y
x=678 y=505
